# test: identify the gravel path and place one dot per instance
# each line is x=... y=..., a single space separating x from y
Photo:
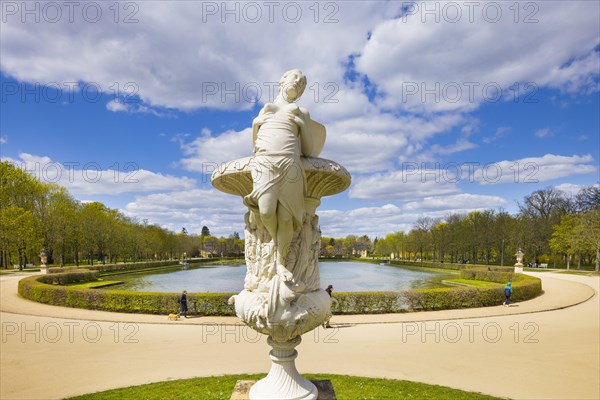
x=545 y=348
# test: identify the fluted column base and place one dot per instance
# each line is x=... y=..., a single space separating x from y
x=283 y=381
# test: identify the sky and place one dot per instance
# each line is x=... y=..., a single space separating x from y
x=433 y=107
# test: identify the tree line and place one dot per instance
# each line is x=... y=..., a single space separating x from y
x=36 y=215
x=551 y=228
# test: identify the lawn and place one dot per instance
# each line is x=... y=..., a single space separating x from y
x=94 y=284
x=473 y=283
x=346 y=387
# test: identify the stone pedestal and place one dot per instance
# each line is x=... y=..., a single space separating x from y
x=518 y=268
x=324 y=387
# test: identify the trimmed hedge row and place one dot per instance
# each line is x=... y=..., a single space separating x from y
x=42 y=289
x=149 y=264
x=129 y=266
x=73 y=276
x=451 y=266
x=478 y=274
x=524 y=288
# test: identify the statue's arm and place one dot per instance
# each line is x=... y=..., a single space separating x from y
x=258 y=121
x=306 y=140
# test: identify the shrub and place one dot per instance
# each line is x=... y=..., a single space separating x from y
x=142 y=265
x=72 y=276
x=524 y=288
x=44 y=290
x=479 y=274
x=367 y=303
x=450 y=266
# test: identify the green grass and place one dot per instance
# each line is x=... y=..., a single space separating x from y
x=94 y=284
x=473 y=283
x=564 y=271
x=346 y=387
x=12 y=271
x=579 y=272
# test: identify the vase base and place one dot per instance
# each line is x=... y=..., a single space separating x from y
x=241 y=391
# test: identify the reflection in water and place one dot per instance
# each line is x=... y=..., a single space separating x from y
x=344 y=276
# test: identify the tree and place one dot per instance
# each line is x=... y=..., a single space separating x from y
x=19 y=234
x=60 y=223
x=588 y=198
x=540 y=211
x=588 y=231
x=563 y=238
x=205 y=231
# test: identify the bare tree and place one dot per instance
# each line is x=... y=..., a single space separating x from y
x=588 y=198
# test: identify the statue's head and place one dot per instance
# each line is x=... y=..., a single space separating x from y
x=292 y=84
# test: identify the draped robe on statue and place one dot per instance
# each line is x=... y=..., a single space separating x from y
x=276 y=165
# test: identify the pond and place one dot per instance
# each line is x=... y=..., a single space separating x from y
x=345 y=276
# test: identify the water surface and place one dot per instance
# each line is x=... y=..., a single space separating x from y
x=345 y=276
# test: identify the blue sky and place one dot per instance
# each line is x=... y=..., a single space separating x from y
x=410 y=97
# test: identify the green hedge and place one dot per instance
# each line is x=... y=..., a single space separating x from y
x=488 y=276
x=451 y=266
x=367 y=303
x=524 y=288
x=72 y=276
x=130 y=266
x=42 y=289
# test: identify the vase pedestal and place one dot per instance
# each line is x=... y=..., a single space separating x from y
x=283 y=380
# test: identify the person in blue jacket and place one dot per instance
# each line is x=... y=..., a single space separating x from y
x=507 y=292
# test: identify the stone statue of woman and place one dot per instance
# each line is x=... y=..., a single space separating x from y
x=281 y=133
x=282 y=296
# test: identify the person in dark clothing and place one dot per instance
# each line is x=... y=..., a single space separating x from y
x=183 y=307
x=507 y=293
x=329 y=290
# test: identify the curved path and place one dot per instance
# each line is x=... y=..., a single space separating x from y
x=545 y=348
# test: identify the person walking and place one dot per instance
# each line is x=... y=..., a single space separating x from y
x=329 y=290
x=183 y=307
x=507 y=293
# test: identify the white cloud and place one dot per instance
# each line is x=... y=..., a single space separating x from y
x=543 y=133
x=3 y=139
x=461 y=145
x=569 y=188
x=183 y=56
x=117 y=106
x=456 y=201
x=500 y=132
x=534 y=169
x=379 y=221
x=475 y=55
x=370 y=221
x=409 y=183
x=206 y=152
x=91 y=179
x=384 y=138
x=222 y=213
